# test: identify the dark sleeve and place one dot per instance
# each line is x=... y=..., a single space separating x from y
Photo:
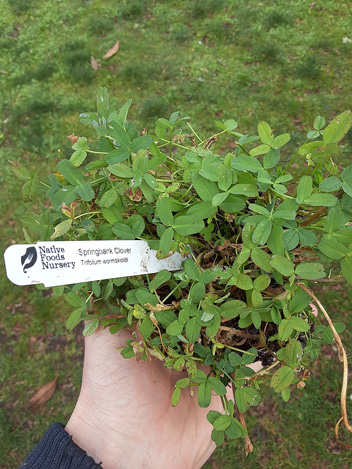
x=57 y=450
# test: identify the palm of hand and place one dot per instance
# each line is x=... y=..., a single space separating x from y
x=127 y=404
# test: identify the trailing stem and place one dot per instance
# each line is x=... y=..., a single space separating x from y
x=343 y=358
x=248 y=446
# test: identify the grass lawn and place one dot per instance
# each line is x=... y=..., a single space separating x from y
x=284 y=62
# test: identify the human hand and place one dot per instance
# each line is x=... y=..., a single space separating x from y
x=124 y=418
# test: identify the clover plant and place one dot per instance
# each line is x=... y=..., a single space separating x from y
x=254 y=234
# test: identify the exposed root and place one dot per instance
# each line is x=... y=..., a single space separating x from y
x=343 y=358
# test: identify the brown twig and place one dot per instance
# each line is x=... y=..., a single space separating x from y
x=248 y=447
x=343 y=358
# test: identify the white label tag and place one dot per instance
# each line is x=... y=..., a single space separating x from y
x=68 y=262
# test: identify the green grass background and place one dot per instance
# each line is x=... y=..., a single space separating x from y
x=284 y=62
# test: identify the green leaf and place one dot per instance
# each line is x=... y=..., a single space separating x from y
x=197 y=292
x=275 y=242
x=166 y=241
x=146 y=328
x=290 y=238
x=108 y=198
x=282 y=379
x=235 y=430
x=19 y=170
x=334 y=220
x=175 y=328
x=230 y=124
x=204 y=394
x=332 y=248
x=219 y=198
x=78 y=157
x=218 y=437
x=222 y=422
x=75 y=300
x=246 y=163
x=299 y=324
x=283 y=265
x=259 y=150
x=304 y=189
x=161 y=277
x=346 y=268
x=103 y=102
x=217 y=386
x=234 y=359
x=245 y=397
x=255 y=316
x=285 y=330
x=259 y=209
x=324 y=200
x=261 y=259
x=123 y=231
x=91 y=327
x=330 y=184
x=262 y=232
x=265 y=133
x=233 y=204
x=299 y=302
x=191 y=269
x=183 y=383
x=271 y=159
x=202 y=210
x=338 y=128
x=85 y=191
x=232 y=308
x=121 y=170
x=61 y=229
x=307 y=238
x=262 y=282
x=164 y=212
x=75 y=318
x=280 y=141
x=112 y=214
x=187 y=225
x=141 y=143
x=205 y=189
x=291 y=354
x=193 y=330
x=319 y=123
x=29 y=189
x=310 y=270
x=72 y=174
x=175 y=397
x=244 y=282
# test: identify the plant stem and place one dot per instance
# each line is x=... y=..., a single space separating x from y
x=97 y=152
x=342 y=357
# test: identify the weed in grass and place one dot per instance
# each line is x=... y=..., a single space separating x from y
x=276 y=18
x=132 y=9
x=76 y=57
x=309 y=68
x=137 y=73
x=269 y=52
x=100 y=24
x=21 y=6
x=201 y=8
x=153 y=107
x=180 y=34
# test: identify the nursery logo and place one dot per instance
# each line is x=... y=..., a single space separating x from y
x=29 y=258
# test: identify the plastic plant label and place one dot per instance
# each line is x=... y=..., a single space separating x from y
x=67 y=262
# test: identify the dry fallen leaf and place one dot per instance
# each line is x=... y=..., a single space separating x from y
x=73 y=138
x=94 y=63
x=113 y=50
x=42 y=395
